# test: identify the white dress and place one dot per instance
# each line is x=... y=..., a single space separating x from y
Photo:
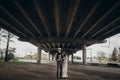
x=65 y=68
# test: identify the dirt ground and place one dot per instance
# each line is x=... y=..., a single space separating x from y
x=32 y=71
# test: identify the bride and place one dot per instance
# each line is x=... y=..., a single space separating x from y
x=65 y=66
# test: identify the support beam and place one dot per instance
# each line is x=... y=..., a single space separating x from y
x=42 y=17
x=57 y=16
x=84 y=54
x=44 y=45
x=13 y=27
x=39 y=54
x=71 y=15
x=16 y=20
x=87 y=18
x=105 y=27
x=99 y=20
x=53 y=45
x=65 y=49
x=89 y=42
x=27 y=17
x=61 y=40
x=48 y=45
x=67 y=41
x=110 y=31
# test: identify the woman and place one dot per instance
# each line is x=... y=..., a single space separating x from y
x=64 y=66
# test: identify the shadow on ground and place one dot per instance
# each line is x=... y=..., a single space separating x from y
x=31 y=71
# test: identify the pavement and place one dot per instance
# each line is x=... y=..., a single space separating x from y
x=33 y=71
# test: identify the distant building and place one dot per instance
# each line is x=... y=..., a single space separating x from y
x=34 y=56
x=28 y=57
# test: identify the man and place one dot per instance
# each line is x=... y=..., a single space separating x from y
x=59 y=59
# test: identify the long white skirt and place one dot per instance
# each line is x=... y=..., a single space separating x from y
x=65 y=69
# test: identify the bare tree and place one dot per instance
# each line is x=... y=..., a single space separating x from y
x=114 y=56
x=7 y=46
x=7 y=35
x=101 y=56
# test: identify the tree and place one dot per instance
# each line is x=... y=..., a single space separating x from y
x=10 y=56
x=7 y=46
x=114 y=56
x=7 y=35
x=101 y=56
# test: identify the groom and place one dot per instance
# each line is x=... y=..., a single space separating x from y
x=59 y=59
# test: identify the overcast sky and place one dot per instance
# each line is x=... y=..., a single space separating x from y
x=24 y=48
x=107 y=47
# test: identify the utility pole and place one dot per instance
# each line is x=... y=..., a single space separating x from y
x=119 y=50
x=91 y=55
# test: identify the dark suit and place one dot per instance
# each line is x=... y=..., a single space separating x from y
x=59 y=59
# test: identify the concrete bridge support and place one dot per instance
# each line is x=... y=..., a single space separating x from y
x=39 y=54
x=72 y=58
x=84 y=54
x=49 y=56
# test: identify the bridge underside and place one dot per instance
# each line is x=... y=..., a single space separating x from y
x=68 y=24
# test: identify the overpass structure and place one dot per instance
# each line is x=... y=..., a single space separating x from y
x=69 y=24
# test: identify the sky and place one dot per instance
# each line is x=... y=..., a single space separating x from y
x=107 y=47
x=25 y=48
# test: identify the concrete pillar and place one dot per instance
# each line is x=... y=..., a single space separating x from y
x=91 y=56
x=84 y=54
x=119 y=50
x=49 y=56
x=52 y=57
x=68 y=58
x=72 y=57
x=39 y=54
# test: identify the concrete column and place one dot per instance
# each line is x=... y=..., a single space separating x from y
x=49 y=56
x=84 y=54
x=91 y=56
x=52 y=57
x=72 y=58
x=68 y=58
x=119 y=50
x=39 y=54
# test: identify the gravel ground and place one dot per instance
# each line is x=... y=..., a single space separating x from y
x=31 y=71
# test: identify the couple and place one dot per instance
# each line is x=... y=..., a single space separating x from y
x=62 y=64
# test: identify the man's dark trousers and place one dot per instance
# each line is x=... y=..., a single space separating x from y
x=59 y=69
